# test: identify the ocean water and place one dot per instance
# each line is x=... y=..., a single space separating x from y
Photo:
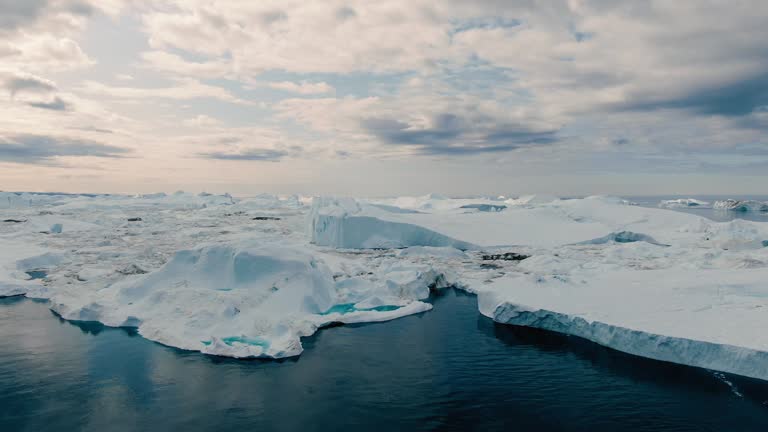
x=446 y=369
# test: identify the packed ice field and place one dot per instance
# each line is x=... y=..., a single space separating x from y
x=250 y=277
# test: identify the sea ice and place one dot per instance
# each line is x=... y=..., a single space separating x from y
x=249 y=277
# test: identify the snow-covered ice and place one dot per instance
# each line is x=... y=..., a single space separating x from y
x=709 y=318
x=249 y=277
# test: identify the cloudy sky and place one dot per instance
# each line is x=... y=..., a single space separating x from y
x=384 y=97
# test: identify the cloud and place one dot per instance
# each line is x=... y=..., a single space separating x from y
x=302 y=87
x=33 y=149
x=301 y=37
x=638 y=56
x=184 y=89
x=19 y=82
x=17 y=14
x=57 y=104
x=202 y=121
x=450 y=134
x=567 y=86
x=174 y=64
x=739 y=98
x=45 y=51
x=14 y=13
x=248 y=154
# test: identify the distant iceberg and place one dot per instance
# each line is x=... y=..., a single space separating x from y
x=684 y=203
x=742 y=205
x=529 y=200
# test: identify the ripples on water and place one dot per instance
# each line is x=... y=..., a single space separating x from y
x=447 y=369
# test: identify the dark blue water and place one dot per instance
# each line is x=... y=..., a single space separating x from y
x=447 y=369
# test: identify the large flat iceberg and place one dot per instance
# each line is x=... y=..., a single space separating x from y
x=706 y=318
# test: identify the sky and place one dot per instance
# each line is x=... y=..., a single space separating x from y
x=386 y=97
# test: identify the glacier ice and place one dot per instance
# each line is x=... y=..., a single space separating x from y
x=249 y=277
x=349 y=224
x=661 y=314
x=741 y=205
x=247 y=299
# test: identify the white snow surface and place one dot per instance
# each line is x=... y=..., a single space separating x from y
x=250 y=277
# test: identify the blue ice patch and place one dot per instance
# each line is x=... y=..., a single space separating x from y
x=345 y=308
x=37 y=274
x=229 y=340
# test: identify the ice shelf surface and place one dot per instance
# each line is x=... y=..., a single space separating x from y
x=248 y=277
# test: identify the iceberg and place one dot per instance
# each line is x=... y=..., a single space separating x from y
x=355 y=224
x=249 y=277
x=684 y=203
x=246 y=299
x=741 y=205
x=710 y=319
x=349 y=224
x=531 y=200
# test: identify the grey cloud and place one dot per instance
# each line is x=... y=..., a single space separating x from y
x=254 y=154
x=80 y=8
x=18 y=83
x=738 y=98
x=31 y=149
x=57 y=104
x=451 y=134
x=16 y=13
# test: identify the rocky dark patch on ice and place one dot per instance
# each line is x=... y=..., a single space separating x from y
x=131 y=269
x=266 y=218
x=507 y=256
